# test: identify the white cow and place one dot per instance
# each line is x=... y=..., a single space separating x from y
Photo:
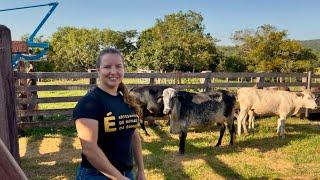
x=252 y=114
x=265 y=102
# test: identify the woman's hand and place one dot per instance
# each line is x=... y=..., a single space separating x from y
x=140 y=175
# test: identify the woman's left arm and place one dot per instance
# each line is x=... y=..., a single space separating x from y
x=137 y=152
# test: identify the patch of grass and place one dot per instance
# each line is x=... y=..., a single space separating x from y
x=42 y=132
x=55 y=153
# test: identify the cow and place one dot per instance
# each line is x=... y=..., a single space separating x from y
x=269 y=102
x=185 y=109
x=251 y=114
x=150 y=100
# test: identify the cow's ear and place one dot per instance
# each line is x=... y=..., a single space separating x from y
x=159 y=99
x=299 y=94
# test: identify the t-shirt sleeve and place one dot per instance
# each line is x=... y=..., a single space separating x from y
x=88 y=107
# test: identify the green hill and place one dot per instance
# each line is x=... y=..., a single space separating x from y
x=312 y=44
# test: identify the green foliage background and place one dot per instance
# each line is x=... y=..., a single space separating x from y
x=178 y=42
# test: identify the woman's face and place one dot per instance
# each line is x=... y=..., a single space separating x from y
x=111 y=70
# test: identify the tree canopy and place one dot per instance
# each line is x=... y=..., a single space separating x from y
x=268 y=49
x=177 y=43
x=76 y=49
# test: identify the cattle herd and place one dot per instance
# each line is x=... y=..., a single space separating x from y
x=186 y=109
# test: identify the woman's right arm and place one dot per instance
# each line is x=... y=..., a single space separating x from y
x=88 y=133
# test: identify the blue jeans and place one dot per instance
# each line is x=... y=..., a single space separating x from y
x=93 y=174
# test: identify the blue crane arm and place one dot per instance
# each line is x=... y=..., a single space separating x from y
x=30 y=43
x=53 y=4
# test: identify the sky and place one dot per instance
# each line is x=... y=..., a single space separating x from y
x=221 y=17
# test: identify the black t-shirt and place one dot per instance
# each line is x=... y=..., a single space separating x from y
x=117 y=122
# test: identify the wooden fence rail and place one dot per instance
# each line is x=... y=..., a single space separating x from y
x=48 y=99
x=204 y=81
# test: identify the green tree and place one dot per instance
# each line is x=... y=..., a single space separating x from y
x=76 y=49
x=230 y=61
x=177 y=43
x=268 y=49
x=124 y=41
x=231 y=64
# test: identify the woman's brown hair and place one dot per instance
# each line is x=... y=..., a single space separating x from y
x=130 y=100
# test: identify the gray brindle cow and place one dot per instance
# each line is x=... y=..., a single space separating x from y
x=187 y=109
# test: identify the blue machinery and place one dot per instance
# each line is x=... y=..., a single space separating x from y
x=30 y=43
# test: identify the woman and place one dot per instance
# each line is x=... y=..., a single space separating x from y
x=106 y=119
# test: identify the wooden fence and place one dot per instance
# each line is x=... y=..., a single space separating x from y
x=196 y=81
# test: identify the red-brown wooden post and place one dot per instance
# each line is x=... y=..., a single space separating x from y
x=8 y=117
x=9 y=168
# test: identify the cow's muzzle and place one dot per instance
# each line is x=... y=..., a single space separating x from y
x=166 y=110
x=313 y=106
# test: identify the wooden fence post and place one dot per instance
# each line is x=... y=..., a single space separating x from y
x=207 y=81
x=22 y=94
x=308 y=87
x=33 y=95
x=178 y=78
x=9 y=168
x=152 y=80
x=8 y=118
x=304 y=79
x=260 y=82
x=281 y=79
x=92 y=81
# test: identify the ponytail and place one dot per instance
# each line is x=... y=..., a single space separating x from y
x=131 y=101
